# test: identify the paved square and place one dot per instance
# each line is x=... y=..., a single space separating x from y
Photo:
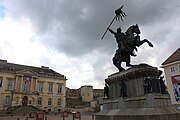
x=50 y=117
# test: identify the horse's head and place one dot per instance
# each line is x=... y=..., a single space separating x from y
x=133 y=29
x=136 y=29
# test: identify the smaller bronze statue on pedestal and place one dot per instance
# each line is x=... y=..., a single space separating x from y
x=147 y=84
x=162 y=85
x=106 y=91
x=123 y=90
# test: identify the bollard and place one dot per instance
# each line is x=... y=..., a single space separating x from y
x=32 y=114
x=76 y=115
x=93 y=117
x=40 y=116
x=64 y=114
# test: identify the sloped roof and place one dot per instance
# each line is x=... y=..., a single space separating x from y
x=41 y=71
x=174 y=57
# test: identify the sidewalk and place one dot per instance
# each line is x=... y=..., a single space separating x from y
x=84 y=116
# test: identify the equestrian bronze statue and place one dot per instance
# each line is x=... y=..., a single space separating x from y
x=127 y=44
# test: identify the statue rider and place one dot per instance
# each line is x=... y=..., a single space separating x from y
x=122 y=47
x=121 y=39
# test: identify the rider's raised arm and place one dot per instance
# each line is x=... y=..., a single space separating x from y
x=112 y=31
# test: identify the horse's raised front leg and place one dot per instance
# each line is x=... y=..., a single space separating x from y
x=149 y=43
x=139 y=43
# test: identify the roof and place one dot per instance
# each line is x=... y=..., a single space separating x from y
x=173 y=58
x=41 y=71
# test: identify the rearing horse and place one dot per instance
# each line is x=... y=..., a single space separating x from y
x=131 y=43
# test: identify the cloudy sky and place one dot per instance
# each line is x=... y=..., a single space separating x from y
x=65 y=35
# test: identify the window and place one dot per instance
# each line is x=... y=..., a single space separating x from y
x=59 y=88
x=39 y=101
x=40 y=87
x=25 y=87
x=26 y=84
x=51 y=87
x=10 y=84
x=50 y=101
x=59 y=101
x=172 y=69
x=8 y=100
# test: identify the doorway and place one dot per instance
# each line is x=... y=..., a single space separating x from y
x=25 y=101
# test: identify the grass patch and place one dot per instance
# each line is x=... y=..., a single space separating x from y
x=75 y=102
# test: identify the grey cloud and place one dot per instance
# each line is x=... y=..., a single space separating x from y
x=75 y=27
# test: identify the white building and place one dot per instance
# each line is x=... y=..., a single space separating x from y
x=172 y=73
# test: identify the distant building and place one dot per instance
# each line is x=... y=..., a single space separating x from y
x=31 y=86
x=98 y=93
x=86 y=92
x=172 y=73
x=73 y=93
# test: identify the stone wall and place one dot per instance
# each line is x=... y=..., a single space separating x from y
x=134 y=81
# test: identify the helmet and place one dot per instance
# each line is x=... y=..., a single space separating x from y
x=119 y=30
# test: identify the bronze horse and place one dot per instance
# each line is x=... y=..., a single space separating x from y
x=130 y=43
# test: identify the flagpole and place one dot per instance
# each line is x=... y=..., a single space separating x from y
x=119 y=14
x=108 y=26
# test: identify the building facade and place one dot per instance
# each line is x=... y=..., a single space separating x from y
x=73 y=93
x=172 y=73
x=98 y=93
x=22 y=85
x=86 y=92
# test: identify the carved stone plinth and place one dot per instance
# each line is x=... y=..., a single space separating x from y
x=137 y=104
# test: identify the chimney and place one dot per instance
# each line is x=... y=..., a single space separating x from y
x=45 y=68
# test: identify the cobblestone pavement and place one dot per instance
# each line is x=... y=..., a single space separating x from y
x=84 y=116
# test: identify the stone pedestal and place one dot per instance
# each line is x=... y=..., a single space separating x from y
x=137 y=104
